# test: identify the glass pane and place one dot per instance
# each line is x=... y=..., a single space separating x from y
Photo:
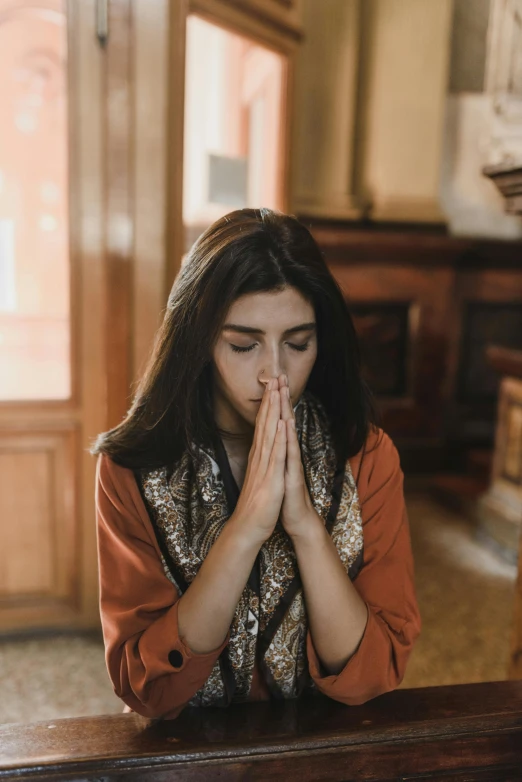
x=34 y=253
x=233 y=116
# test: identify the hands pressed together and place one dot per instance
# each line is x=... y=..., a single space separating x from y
x=275 y=484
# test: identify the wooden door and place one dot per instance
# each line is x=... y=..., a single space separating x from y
x=52 y=379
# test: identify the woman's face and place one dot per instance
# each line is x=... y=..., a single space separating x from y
x=264 y=335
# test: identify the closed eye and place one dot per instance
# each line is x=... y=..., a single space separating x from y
x=299 y=348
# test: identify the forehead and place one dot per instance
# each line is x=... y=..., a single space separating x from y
x=277 y=309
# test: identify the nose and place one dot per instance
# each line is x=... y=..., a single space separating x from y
x=265 y=379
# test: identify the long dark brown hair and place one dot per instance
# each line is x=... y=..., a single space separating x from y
x=246 y=251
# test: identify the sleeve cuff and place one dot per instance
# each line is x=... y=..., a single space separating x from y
x=366 y=674
x=163 y=651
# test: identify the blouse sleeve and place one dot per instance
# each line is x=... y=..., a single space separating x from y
x=151 y=668
x=385 y=582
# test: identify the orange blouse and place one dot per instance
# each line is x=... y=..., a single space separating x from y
x=139 y=604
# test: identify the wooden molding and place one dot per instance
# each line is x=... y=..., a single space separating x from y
x=273 y=20
x=346 y=207
x=353 y=244
x=249 y=20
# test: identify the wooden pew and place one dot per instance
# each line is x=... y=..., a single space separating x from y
x=468 y=732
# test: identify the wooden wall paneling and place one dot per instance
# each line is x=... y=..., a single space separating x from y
x=416 y=415
x=460 y=270
x=412 y=245
x=492 y=299
x=40 y=536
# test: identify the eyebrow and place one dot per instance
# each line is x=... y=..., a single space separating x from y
x=251 y=330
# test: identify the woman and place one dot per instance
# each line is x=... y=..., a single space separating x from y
x=252 y=534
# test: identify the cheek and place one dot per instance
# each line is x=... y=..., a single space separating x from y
x=304 y=368
x=224 y=362
x=310 y=359
x=229 y=372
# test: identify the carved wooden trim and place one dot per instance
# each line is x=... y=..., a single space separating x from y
x=508 y=179
x=360 y=244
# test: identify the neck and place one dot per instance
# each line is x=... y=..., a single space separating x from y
x=240 y=432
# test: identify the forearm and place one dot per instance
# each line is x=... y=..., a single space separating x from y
x=207 y=608
x=337 y=615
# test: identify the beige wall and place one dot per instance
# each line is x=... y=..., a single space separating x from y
x=325 y=111
x=481 y=128
x=403 y=86
x=369 y=110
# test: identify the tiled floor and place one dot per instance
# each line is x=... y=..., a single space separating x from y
x=466 y=595
x=466 y=598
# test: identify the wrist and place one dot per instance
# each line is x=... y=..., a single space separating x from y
x=311 y=532
x=244 y=535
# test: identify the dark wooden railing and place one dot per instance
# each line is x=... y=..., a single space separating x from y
x=468 y=732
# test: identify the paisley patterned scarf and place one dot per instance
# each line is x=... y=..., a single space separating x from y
x=190 y=503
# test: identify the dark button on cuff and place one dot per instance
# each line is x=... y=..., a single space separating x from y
x=176 y=658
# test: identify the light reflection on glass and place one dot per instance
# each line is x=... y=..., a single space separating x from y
x=34 y=252
x=233 y=121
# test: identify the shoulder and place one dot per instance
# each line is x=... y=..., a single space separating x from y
x=117 y=493
x=377 y=463
x=112 y=477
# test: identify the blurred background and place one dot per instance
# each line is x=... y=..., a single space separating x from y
x=393 y=130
